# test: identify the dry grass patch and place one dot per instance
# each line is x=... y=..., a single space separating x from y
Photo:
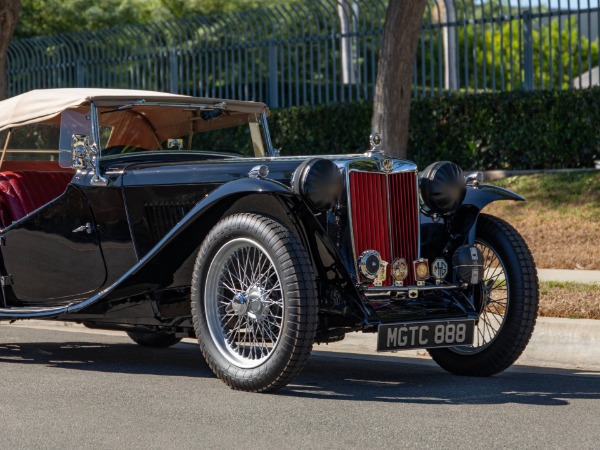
x=570 y=300
x=560 y=220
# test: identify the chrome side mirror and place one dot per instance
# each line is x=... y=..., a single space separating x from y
x=80 y=151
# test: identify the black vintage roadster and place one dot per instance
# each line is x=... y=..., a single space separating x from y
x=146 y=220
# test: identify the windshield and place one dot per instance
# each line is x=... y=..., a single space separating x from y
x=149 y=127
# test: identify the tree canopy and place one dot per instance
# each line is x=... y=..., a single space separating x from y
x=50 y=17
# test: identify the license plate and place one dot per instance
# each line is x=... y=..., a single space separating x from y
x=445 y=333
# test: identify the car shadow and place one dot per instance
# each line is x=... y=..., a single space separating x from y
x=344 y=377
x=326 y=376
x=180 y=360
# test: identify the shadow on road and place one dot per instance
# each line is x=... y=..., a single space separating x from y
x=182 y=360
x=397 y=382
x=324 y=378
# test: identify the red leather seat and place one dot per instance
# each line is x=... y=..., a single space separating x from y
x=22 y=192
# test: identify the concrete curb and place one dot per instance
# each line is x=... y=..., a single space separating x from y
x=565 y=342
x=491 y=175
x=558 y=343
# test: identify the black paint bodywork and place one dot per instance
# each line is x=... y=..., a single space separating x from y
x=133 y=271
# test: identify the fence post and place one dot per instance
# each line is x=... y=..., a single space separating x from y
x=528 y=50
x=448 y=22
x=79 y=73
x=272 y=88
x=348 y=56
x=173 y=79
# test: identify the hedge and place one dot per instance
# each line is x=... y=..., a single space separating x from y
x=516 y=130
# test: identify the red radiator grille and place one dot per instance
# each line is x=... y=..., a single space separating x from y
x=371 y=222
x=405 y=219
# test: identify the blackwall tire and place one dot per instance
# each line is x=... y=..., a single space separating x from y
x=508 y=309
x=254 y=303
x=154 y=340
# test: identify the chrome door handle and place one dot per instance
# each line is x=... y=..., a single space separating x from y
x=88 y=228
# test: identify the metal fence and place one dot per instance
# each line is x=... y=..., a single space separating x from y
x=323 y=51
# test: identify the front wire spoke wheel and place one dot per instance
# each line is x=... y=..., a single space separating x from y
x=243 y=310
x=492 y=300
x=506 y=302
x=254 y=302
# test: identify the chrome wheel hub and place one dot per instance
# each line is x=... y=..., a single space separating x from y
x=244 y=305
x=258 y=303
x=254 y=303
x=239 y=304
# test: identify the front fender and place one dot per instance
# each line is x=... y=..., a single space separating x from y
x=169 y=264
x=485 y=194
x=162 y=266
x=465 y=218
x=444 y=236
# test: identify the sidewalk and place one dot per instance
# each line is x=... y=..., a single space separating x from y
x=578 y=276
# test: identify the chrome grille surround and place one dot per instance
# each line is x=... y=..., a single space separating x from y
x=371 y=167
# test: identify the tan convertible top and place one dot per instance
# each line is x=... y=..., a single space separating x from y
x=45 y=104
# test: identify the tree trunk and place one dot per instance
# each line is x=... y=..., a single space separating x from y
x=9 y=14
x=391 y=107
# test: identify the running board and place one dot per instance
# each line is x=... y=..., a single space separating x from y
x=30 y=312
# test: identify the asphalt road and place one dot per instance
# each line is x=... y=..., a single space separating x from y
x=66 y=389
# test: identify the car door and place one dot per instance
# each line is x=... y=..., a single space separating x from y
x=53 y=255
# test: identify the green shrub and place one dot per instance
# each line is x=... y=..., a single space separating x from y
x=518 y=130
x=515 y=130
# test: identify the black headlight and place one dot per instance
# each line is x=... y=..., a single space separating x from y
x=442 y=187
x=319 y=182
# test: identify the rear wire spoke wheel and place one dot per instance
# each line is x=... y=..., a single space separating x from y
x=507 y=302
x=254 y=303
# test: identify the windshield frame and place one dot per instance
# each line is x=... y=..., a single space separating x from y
x=259 y=130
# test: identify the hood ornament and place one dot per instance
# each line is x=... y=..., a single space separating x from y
x=375 y=141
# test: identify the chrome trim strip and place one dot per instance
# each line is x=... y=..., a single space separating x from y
x=418 y=206
x=389 y=212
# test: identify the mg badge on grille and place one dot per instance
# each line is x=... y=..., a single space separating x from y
x=439 y=269
x=387 y=165
x=399 y=271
